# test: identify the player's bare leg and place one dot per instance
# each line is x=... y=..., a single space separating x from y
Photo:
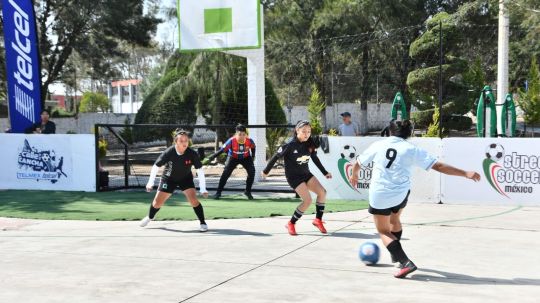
x=157 y=203
x=315 y=186
x=303 y=191
x=384 y=227
x=191 y=196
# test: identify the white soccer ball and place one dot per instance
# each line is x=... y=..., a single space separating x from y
x=348 y=152
x=45 y=157
x=495 y=152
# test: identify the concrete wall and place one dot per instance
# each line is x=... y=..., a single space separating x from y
x=83 y=124
x=378 y=114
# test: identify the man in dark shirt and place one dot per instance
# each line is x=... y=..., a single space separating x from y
x=44 y=127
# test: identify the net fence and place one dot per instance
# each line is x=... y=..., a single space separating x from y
x=126 y=153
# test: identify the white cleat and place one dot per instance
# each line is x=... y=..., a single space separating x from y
x=145 y=221
x=203 y=228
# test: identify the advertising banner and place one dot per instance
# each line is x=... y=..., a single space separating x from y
x=48 y=162
x=22 y=64
x=510 y=170
x=341 y=158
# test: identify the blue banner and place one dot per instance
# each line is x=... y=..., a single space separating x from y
x=22 y=64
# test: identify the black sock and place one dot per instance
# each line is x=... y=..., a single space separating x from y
x=153 y=211
x=320 y=210
x=297 y=215
x=398 y=234
x=200 y=213
x=397 y=251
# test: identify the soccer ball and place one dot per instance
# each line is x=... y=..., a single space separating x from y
x=495 y=152
x=369 y=253
x=45 y=157
x=348 y=152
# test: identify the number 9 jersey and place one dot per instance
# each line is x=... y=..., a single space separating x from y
x=393 y=160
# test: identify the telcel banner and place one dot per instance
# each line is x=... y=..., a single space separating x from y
x=339 y=162
x=48 y=162
x=22 y=64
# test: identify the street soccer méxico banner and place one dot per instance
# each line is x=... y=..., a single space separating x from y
x=510 y=170
x=219 y=24
x=22 y=64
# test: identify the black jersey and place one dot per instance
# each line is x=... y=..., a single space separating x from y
x=296 y=155
x=178 y=167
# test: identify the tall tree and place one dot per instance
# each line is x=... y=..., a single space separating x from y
x=94 y=29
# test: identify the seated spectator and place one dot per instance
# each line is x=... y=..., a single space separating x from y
x=44 y=127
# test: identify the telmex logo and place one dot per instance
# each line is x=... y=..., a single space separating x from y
x=22 y=45
x=513 y=173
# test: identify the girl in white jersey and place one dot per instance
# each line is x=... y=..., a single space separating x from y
x=393 y=160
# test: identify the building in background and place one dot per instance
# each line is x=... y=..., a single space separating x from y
x=124 y=96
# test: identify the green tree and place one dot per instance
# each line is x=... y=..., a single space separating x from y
x=93 y=29
x=462 y=43
x=529 y=100
x=315 y=109
x=93 y=103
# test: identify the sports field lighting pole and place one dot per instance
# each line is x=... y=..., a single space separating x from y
x=440 y=79
x=502 y=61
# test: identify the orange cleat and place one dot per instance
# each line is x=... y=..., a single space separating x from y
x=291 y=229
x=319 y=224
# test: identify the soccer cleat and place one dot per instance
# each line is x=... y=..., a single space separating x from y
x=203 y=228
x=319 y=224
x=248 y=195
x=145 y=221
x=406 y=269
x=217 y=195
x=291 y=228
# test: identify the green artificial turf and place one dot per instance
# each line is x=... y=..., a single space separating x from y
x=108 y=206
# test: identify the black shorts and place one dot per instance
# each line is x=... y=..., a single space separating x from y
x=389 y=211
x=297 y=180
x=168 y=186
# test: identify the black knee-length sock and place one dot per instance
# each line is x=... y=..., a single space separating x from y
x=297 y=215
x=397 y=251
x=320 y=210
x=199 y=211
x=398 y=234
x=152 y=212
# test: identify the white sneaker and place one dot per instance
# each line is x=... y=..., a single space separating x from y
x=145 y=221
x=203 y=228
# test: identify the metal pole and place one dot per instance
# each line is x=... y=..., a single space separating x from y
x=126 y=167
x=96 y=140
x=440 y=79
x=502 y=61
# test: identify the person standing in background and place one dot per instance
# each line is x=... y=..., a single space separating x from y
x=348 y=128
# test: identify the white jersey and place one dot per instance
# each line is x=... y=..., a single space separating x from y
x=393 y=160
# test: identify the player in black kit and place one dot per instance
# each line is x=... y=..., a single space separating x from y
x=178 y=160
x=296 y=153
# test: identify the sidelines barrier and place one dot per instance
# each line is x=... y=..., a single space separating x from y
x=339 y=162
x=510 y=170
x=509 y=167
x=48 y=162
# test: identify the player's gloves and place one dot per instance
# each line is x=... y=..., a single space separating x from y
x=205 y=161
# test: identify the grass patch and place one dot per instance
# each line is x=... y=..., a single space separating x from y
x=113 y=206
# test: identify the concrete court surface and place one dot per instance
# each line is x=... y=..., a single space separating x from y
x=465 y=254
